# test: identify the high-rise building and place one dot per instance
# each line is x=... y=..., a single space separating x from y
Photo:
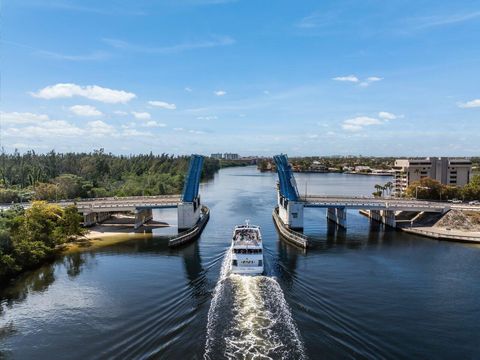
x=230 y=156
x=448 y=171
x=217 y=156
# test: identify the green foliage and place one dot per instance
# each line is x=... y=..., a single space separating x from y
x=56 y=176
x=28 y=238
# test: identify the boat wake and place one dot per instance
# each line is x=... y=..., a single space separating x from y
x=250 y=319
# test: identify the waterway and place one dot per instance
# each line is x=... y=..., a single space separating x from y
x=367 y=292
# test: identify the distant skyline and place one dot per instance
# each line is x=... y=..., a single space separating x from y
x=376 y=78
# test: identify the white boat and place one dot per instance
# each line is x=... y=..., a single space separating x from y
x=247 y=250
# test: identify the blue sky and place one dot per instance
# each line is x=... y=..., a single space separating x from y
x=365 y=77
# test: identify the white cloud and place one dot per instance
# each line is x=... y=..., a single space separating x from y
x=188 y=89
x=266 y=92
x=141 y=115
x=213 y=117
x=134 y=132
x=470 y=104
x=99 y=128
x=163 y=105
x=349 y=78
x=359 y=122
x=387 y=116
x=15 y=118
x=46 y=129
x=220 y=92
x=370 y=80
x=153 y=123
x=85 y=110
x=198 y=132
x=178 y=129
x=214 y=41
x=120 y=113
x=92 y=92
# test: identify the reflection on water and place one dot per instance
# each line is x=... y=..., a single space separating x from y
x=363 y=292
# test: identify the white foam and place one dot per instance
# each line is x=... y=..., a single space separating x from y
x=255 y=323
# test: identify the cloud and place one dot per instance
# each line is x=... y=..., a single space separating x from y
x=220 y=92
x=92 y=92
x=94 y=56
x=153 y=123
x=85 y=110
x=188 y=89
x=350 y=78
x=46 y=129
x=470 y=104
x=387 y=116
x=426 y=22
x=178 y=129
x=163 y=105
x=214 y=41
x=141 y=115
x=99 y=128
x=134 y=132
x=359 y=122
x=213 y=117
x=370 y=80
x=16 y=118
x=120 y=113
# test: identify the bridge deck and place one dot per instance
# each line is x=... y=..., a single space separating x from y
x=369 y=203
x=124 y=203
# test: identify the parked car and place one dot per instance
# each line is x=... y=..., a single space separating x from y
x=474 y=202
x=456 y=201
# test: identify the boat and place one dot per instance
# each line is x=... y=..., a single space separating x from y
x=246 y=250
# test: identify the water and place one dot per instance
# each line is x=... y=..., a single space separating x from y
x=367 y=292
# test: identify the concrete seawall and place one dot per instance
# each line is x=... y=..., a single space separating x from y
x=288 y=234
x=193 y=233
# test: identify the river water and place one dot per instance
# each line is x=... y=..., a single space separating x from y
x=367 y=292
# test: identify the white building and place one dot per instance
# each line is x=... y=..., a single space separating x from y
x=448 y=171
x=230 y=156
x=217 y=156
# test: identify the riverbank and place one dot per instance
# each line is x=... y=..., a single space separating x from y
x=455 y=225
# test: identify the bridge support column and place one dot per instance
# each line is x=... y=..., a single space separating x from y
x=102 y=216
x=142 y=216
x=338 y=216
x=291 y=213
x=388 y=218
x=188 y=214
x=375 y=215
x=89 y=219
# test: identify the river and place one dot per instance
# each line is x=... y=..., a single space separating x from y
x=367 y=292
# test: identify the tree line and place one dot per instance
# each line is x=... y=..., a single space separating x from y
x=30 y=237
x=55 y=176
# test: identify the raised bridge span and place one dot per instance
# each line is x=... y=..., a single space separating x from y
x=291 y=205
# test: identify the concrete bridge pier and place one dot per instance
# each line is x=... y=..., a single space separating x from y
x=188 y=214
x=388 y=218
x=338 y=216
x=142 y=216
x=375 y=215
x=291 y=213
x=92 y=218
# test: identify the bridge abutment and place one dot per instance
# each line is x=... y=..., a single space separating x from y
x=291 y=213
x=142 y=216
x=93 y=218
x=188 y=214
x=338 y=216
x=388 y=218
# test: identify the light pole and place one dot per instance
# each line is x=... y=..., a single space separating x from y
x=420 y=187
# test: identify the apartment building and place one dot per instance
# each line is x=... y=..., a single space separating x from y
x=448 y=171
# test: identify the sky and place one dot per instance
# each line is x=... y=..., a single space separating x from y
x=254 y=77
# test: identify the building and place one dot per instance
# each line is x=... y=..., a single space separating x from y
x=218 y=156
x=448 y=171
x=229 y=156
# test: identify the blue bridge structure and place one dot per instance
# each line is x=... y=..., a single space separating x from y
x=291 y=205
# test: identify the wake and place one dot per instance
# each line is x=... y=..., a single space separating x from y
x=250 y=319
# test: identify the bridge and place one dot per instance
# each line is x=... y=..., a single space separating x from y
x=189 y=208
x=291 y=205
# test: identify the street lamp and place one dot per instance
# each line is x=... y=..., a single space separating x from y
x=420 y=187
